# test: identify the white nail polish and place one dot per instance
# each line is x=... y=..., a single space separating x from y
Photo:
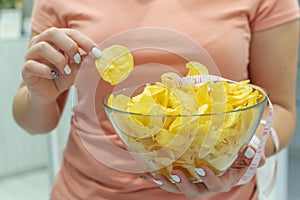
x=158 y=182
x=249 y=153
x=67 y=70
x=175 y=178
x=200 y=172
x=96 y=52
x=255 y=141
x=77 y=58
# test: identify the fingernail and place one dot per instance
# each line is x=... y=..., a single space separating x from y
x=175 y=178
x=67 y=70
x=200 y=172
x=77 y=58
x=54 y=74
x=96 y=52
x=255 y=141
x=158 y=182
x=144 y=177
x=249 y=153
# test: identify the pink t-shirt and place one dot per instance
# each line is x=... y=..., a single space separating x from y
x=223 y=28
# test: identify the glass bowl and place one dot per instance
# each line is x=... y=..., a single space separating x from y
x=162 y=142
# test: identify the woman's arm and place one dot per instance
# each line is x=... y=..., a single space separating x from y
x=273 y=66
x=33 y=116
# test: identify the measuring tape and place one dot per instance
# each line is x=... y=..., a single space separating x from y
x=200 y=79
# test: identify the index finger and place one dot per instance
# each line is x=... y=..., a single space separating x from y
x=84 y=42
x=68 y=40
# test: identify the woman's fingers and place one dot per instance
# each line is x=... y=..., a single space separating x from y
x=244 y=158
x=216 y=183
x=84 y=42
x=54 y=54
x=189 y=189
x=165 y=184
x=60 y=47
x=57 y=37
x=69 y=41
x=232 y=176
x=181 y=185
x=34 y=68
x=46 y=52
x=211 y=183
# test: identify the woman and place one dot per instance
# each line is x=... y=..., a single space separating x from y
x=254 y=40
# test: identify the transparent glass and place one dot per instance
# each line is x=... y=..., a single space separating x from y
x=213 y=140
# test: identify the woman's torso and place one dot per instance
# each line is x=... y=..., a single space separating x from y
x=95 y=164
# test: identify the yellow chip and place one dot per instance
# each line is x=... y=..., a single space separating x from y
x=166 y=138
x=119 y=102
x=159 y=93
x=196 y=68
x=203 y=97
x=115 y=64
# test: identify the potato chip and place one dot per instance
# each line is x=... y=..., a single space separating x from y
x=164 y=138
x=203 y=97
x=159 y=93
x=115 y=64
x=119 y=102
x=196 y=68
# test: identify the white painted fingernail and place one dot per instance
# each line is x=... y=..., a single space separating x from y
x=67 y=70
x=249 y=153
x=175 y=178
x=200 y=172
x=96 y=52
x=158 y=182
x=77 y=58
x=255 y=141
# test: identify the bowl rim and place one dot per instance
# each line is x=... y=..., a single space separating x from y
x=260 y=89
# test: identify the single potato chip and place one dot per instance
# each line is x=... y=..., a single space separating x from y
x=115 y=64
x=196 y=68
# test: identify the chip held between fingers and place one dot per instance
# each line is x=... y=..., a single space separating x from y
x=115 y=64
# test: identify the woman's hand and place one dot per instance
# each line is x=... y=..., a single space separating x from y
x=52 y=61
x=50 y=68
x=211 y=183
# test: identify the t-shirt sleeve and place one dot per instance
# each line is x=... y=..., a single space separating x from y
x=45 y=15
x=270 y=13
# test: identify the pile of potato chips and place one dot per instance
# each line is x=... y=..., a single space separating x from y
x=185 y=127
